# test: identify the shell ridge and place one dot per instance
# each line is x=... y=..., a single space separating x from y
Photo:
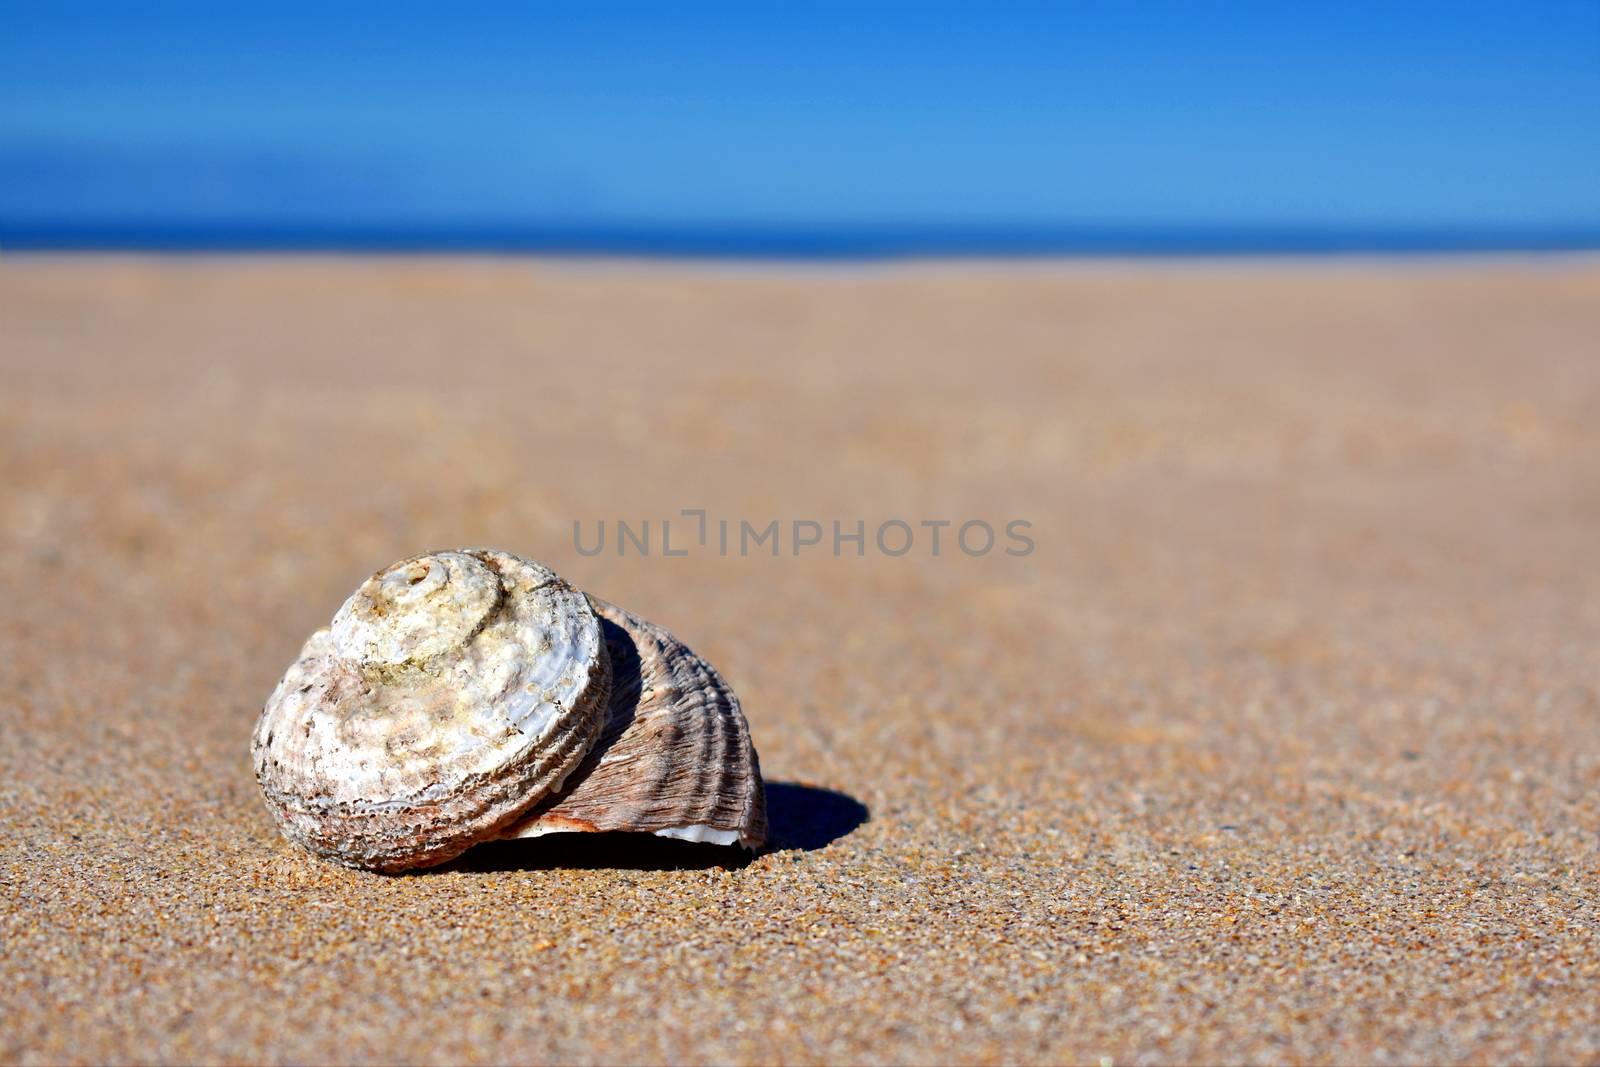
x=683 y=764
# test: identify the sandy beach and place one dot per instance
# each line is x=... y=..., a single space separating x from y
x=1280 y=744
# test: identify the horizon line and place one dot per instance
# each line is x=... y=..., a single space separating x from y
x=793 y=241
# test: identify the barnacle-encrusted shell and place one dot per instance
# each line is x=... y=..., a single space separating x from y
x=675 y=758
x=452 y=691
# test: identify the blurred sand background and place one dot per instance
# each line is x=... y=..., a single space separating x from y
x=1283 y=745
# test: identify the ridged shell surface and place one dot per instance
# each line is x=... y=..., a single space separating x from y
x=451 y=692
x=675 y=758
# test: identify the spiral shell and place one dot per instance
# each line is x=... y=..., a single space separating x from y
x=463 y=696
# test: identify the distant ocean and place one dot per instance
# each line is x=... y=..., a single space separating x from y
x=789 y=242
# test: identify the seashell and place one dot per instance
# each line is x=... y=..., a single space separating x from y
x=675 y=758
x=465 y=696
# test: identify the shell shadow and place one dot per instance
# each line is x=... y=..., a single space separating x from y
x=806 y=817
x=596 y=852
x=800 y=818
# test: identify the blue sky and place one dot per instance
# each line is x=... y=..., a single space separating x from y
x=1211 y=114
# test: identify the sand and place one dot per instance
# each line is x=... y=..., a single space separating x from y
x=1283 y=743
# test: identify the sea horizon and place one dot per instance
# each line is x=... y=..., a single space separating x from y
x=831 y=241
